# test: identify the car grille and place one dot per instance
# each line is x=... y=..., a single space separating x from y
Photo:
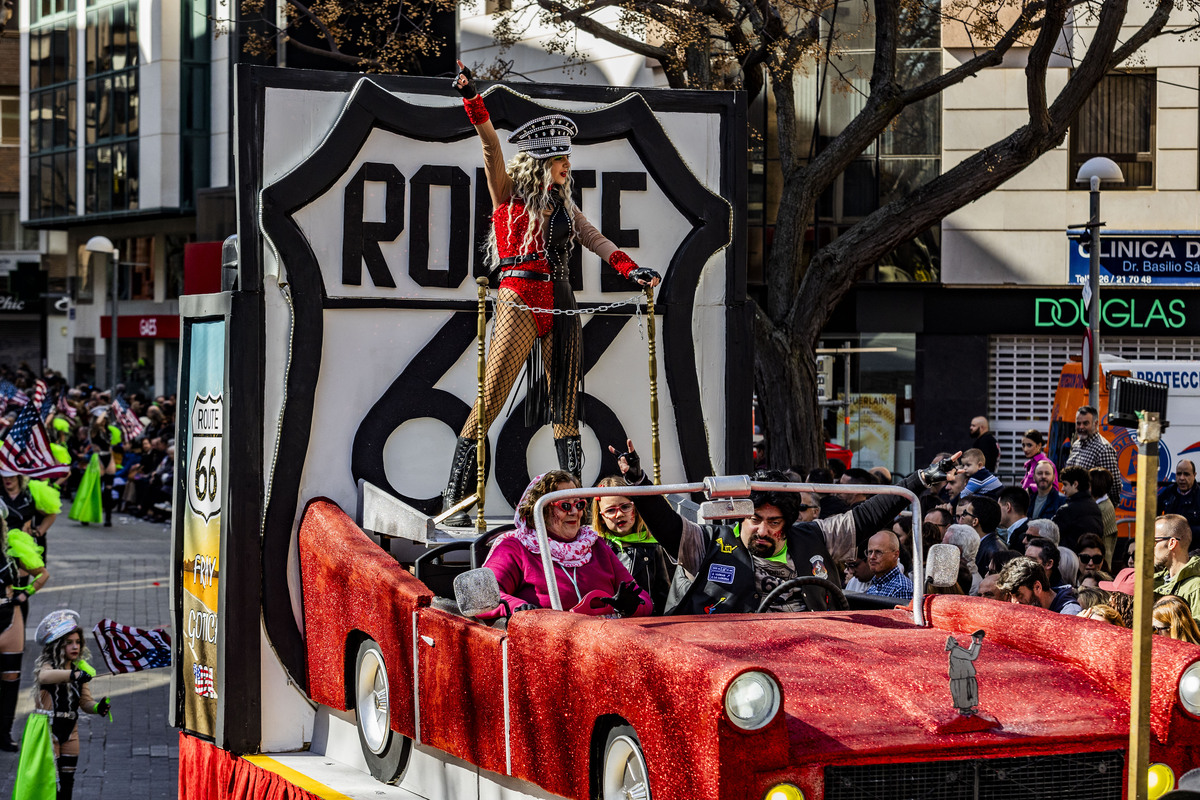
x=1072 y=776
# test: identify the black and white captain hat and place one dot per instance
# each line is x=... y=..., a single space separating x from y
x=545 y=137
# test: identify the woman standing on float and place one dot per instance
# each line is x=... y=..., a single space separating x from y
x=535 y=223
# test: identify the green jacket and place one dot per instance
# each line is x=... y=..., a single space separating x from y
x=1185 y=586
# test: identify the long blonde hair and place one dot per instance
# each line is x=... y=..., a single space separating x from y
x=1177 y=615
x=534 y=186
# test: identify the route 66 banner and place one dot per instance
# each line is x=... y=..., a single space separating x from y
x=363 y=211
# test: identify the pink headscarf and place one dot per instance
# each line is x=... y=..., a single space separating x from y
x=574 y=553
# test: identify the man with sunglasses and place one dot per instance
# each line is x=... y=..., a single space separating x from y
x=731 y=568
x=1175 y=572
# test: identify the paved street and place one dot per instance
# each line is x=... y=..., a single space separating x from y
x=122 y=573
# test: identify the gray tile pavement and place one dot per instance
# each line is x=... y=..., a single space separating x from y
x=121 y=573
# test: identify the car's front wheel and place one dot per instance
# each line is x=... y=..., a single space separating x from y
x=385 y=751
x=623 y=771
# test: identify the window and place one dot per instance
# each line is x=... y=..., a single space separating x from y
x=52 y=98
x=1117 y=122
x=10 y=120
x=12 y=235
x=111 y=108
x=107 y=79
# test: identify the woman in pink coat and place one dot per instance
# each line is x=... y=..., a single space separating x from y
x=1035 y=450
x=591 y=579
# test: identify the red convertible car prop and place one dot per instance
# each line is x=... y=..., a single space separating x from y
x=840 y=704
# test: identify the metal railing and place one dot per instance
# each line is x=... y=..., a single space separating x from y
x=729 y=487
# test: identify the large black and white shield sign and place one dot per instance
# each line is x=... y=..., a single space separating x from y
x=369 y=208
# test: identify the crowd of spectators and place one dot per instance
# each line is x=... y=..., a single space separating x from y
x=134 y=474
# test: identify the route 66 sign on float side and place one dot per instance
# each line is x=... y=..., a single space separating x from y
x=363 y=206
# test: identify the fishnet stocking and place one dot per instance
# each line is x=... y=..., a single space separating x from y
x=513 y=336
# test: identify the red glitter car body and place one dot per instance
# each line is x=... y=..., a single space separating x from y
x=865 y=694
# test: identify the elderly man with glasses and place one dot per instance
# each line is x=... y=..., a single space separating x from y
x=1175 y=572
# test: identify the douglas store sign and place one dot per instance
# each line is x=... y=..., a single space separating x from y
x=1141 y=314
x=1139 y=258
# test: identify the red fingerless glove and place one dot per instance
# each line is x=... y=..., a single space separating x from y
x=622 y=263
x=476 y=110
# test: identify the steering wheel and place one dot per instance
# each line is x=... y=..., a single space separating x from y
x=835 y=591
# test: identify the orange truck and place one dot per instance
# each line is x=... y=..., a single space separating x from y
x=1180 y=441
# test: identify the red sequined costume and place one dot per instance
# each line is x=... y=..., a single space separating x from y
x=510 y=222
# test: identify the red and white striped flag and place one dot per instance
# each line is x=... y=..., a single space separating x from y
x=65 y=407
x=26 y=447
x=129 y=649
x=131 y=426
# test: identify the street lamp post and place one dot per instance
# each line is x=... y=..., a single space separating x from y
x=102 y=244
x=1093 y=171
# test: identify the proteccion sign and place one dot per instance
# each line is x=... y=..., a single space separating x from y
x=1139 y=258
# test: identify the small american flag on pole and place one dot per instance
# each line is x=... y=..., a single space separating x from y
x=26 y=448
x=131 y=426
x=65 y=407
x=129 y=649
x=11 y=394
x=204 y=681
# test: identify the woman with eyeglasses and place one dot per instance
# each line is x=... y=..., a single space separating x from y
x=1172 y=617
x=1034 y=447
x=590 y=578
x=620 y=526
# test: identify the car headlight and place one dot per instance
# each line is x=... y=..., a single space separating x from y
x=1189 y=689
x=752 y=700
x=1160 y=779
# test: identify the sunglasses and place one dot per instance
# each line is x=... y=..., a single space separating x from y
x=1090 y=559
x=613 y=511
x=567 y=506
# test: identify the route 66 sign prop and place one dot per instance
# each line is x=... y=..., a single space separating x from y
x=364 y=208
x=204 y=457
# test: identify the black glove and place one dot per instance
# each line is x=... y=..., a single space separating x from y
x=978 y=634
x=643 y=275
x=79 y=676
x=103 y=706
x=468 y=90
x=524 y=607
x=937 y=471
x=627 y=599
x=635 y=474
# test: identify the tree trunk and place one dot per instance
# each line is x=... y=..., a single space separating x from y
x=785 y=378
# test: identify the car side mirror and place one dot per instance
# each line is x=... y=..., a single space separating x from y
x=941 y=566
x=476 y=591
x=726 y=509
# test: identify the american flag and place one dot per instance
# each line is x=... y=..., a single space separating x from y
x=11 y=394
x=131 y=426
x=26 y=448
x=47 y=405
x=204 y=681
x=129 y=649
x=66 y=407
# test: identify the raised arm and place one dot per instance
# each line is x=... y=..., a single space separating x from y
x=499 y=184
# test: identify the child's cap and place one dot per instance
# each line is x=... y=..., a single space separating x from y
x=56 y=625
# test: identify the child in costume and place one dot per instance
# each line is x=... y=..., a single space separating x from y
x=22 y=572
x=51 y=732
x=535 y=225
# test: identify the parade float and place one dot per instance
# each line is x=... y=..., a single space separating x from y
x=323 y=650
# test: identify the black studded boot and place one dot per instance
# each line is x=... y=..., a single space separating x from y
x=9 y=690
x=463 y=477
x=570 y=456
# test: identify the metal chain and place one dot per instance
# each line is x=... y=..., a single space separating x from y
x=636 y=300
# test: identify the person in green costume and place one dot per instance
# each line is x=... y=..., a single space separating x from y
x=51 y=731
x=22 y=572
x=622 y=528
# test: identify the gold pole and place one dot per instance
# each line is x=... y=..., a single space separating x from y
x=481 y=427
x=654 y=443
x=1149 y=432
